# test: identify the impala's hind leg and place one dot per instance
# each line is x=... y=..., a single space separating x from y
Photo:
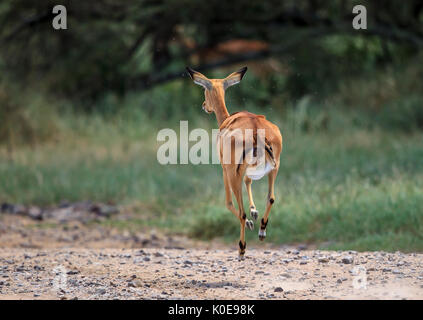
x=231 y=207
x=235 y=181
x=228 y=195
x=270 y=201
x=242 y=219
x=253 y=210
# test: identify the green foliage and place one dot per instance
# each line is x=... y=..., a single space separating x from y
x=405 y=114
x=25 y=119
x=211 y=222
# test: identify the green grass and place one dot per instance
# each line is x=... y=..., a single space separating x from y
x=341 y=187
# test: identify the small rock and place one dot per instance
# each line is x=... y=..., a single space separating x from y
x=101 y=291
x=135 y=284
x=302 y=247
x=72 y=272
x=6 y=207
x=20 y=269
x=35 y=213
x=347 y=259
x=278 y=289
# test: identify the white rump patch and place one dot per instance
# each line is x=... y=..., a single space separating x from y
x=256 y=173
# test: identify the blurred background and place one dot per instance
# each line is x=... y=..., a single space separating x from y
x=80 y=110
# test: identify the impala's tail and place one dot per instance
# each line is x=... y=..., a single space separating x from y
x=269 y=153
x=257 y=170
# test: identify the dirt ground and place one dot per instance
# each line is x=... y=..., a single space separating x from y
x=42 y=260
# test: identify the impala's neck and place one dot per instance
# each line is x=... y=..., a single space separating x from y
x=219 y=106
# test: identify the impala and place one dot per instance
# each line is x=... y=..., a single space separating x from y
x=234 y=171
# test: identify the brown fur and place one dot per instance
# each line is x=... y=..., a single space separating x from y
x=234 y=172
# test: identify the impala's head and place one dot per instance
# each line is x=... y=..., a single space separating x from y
x=214 y=89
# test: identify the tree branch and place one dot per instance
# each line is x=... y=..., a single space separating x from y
x=27 y=23
x=148 y=80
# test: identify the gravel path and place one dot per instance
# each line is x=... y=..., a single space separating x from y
x=78 y=261
x=201 y=274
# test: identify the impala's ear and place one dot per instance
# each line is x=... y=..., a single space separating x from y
x=234 y=78
x=199 y=79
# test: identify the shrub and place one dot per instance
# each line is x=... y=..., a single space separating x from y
x=24 y=120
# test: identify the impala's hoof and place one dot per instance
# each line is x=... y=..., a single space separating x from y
x=254 y=214
x=262 y=234
x=249 y=224
x=241 y=251
x=241 y=257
